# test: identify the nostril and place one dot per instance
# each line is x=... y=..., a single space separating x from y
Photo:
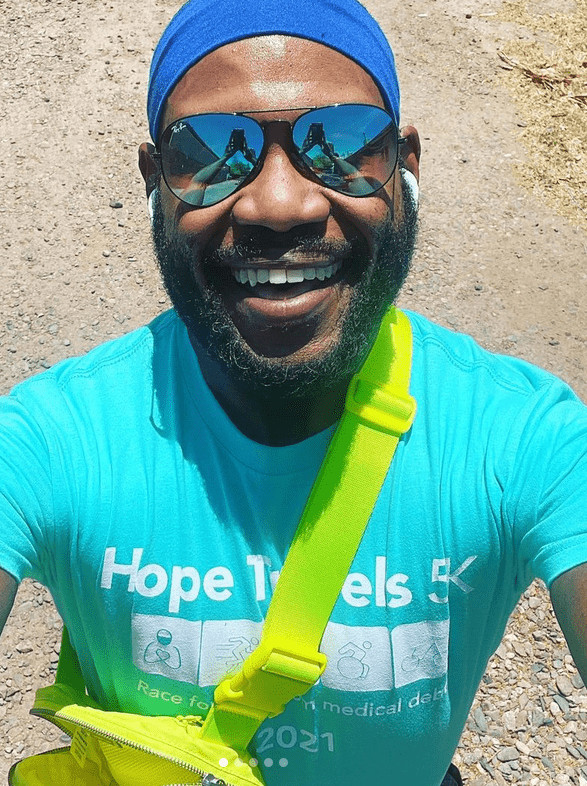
x=280 y=198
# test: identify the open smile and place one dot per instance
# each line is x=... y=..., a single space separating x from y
x=285 y=283
x=296 y=293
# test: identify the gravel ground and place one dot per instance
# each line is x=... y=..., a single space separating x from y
x=493 y=261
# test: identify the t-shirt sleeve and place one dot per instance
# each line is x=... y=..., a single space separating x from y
x=26 y=494
x=545 y=500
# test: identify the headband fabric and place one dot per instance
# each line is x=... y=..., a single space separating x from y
x=201 y=26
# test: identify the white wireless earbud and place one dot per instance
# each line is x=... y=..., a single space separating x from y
x=151 y=203
x=412 y=184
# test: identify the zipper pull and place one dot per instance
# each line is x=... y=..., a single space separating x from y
x=210 y=780
x=189 y=720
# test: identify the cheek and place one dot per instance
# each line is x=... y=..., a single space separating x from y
x=364 y=216
x=205 y=227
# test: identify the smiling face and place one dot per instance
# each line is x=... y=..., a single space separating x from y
x=283 y=283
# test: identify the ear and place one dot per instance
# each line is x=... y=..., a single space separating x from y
x=149 y=166
x=410 y=150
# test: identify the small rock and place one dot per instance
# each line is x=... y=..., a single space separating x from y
x=487 y=766
x=564 y=685
x=522 y=747
x=547 y=763
x=508 y=754
x=106 y=253
x=510 y=720
x=480 y=719
x=577 y=681
x=540 y=719
x=115 y=203
x=562 y=703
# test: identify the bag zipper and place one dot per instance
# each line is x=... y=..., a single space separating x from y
x=207 y=778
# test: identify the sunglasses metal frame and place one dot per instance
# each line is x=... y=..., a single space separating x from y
x=296 y=159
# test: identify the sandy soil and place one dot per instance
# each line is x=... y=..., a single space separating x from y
x=492 y=261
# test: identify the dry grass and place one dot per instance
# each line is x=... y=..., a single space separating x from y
x=547 y=71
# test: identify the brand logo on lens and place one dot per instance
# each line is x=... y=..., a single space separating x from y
x=178 y=127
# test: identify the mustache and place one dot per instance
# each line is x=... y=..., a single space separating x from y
x=265 y=242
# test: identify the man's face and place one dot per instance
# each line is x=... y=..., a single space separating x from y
x=284 y=338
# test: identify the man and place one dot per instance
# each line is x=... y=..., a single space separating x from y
x=155 y=485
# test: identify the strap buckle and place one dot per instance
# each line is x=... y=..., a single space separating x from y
x=382 y=407
x=269 y=679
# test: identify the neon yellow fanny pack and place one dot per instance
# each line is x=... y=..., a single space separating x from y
x=122 y=749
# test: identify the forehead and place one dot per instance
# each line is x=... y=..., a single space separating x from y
x=270 y=72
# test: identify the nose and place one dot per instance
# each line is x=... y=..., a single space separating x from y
x=280 y=197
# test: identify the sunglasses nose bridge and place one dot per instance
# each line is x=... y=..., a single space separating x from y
x=280 y=197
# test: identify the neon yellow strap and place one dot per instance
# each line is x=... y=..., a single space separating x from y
x=287 y=662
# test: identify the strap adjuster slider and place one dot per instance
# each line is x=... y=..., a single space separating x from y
x=381 y=406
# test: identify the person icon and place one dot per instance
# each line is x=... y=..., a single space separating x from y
x=352 y=665
x=161 y=651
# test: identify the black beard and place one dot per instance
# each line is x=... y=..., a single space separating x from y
x=379 y=281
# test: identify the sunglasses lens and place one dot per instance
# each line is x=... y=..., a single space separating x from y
x=206 y=158
x=351 y=148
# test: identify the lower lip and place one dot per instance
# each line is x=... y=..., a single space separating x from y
x=272 y=304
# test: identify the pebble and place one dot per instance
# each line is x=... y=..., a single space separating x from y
x=564 y=685
x=115 y=203
x=562 y=703
x=480 y=719
x=508 y=754
x=577 y=681
x=522 y=747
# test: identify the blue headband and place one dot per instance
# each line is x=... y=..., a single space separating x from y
x=200 y=26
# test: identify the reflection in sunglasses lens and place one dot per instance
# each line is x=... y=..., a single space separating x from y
x=207 y=157
x=351 y=148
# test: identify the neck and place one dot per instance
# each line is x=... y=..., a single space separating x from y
x=271 y=419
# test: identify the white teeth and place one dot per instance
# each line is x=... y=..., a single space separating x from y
x=295 y=276
x=284 y=275
x=277 y=276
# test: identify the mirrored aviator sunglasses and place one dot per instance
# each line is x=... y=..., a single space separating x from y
x=350 y=148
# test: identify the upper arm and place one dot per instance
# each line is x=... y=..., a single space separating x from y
x=8 y=587
x=569 y=599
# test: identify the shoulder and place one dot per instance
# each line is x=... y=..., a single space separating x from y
x=442 y=357
x=466 y=393
x=113 y=373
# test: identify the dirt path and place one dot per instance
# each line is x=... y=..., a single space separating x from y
x=492 y=261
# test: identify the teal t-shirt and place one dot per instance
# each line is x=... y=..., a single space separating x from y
x=160 y=530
